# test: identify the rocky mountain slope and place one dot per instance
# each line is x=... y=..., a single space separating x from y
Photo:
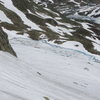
x=55 y=21
x=4 y=43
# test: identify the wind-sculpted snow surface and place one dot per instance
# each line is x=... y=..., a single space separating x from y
x=46 y=71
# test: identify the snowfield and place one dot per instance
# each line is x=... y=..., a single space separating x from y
x=47 y=72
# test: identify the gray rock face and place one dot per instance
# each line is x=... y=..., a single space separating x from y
x=4 y=43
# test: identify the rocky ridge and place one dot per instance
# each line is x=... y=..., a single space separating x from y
x=54 y=21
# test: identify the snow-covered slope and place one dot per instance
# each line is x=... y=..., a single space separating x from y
x=55 y=55
x=47 y=72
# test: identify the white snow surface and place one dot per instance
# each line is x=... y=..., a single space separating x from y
x=44 y=70
x=96 y=46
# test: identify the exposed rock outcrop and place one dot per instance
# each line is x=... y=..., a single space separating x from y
x=58 y=21
x=4 y=43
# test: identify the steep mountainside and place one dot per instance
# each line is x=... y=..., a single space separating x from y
x=56 y=48
x=53 y=21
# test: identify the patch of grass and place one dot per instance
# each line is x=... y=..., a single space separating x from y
x=51 y=21
x=36 y=19
x=34 y=34
x=11 y=26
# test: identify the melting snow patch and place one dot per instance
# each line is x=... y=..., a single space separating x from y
x=96 y=46
x=60 y=30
